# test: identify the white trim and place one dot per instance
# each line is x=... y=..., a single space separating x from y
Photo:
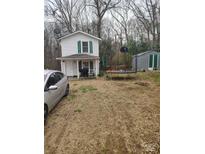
x=77 y=58
x=69 y=35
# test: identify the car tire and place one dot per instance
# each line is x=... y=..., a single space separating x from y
x=67 y=90
x=45 y=112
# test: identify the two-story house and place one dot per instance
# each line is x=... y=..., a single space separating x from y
x=79 y=50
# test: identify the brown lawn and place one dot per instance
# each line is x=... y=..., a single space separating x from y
x=105 y=116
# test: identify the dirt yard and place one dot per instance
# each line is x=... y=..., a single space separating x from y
x=107 y=117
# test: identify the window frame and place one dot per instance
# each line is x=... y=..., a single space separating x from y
x=83 y=47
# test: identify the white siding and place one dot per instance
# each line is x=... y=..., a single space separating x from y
x=69 y=68
x=69 y=45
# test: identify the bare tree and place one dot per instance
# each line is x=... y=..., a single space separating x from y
x=147 y=13
x=51 y=47
x=66 y=12
x=141 y=17
x=121 y=15
x=100 y=8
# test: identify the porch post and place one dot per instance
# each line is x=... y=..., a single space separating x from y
x=63 y=67
x=88 y=67
x=77 y=70
x=96 y=67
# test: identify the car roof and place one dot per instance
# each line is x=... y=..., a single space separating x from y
x=46 y=72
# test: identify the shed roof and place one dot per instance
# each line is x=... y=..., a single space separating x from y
x=140 y=54
x=78 y=57
x=81 y=32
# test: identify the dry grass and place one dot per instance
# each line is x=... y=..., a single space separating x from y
x=85 y=89
x=128 y=76
x=105 y=116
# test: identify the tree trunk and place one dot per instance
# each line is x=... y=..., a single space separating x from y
x=99 y=27
x=126 y=35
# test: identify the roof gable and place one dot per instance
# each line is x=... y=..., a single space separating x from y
x=79 y=32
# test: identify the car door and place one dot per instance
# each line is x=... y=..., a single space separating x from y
x=64 y=83
x=59 y=83
x=51 y=96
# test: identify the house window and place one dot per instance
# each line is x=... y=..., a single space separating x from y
x=85 y=47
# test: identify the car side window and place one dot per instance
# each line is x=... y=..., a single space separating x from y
x=59 y=76
x=51 y=81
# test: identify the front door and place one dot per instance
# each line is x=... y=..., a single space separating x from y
x=85 y=69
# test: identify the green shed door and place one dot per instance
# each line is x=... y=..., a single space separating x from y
x=155 y=61
x=150 y=61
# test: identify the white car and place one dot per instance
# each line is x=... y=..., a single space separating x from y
x=56 y=86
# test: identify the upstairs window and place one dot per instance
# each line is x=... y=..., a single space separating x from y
x=85 y=47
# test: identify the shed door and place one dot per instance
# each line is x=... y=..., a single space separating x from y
x=155 y=61
x=150 y=61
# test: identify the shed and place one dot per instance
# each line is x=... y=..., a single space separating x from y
x=149 y=60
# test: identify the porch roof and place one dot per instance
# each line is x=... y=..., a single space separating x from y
x=78 y=57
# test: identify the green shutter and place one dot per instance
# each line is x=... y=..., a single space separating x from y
x=91 y=46
x=79 y=46
x=150 y=61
